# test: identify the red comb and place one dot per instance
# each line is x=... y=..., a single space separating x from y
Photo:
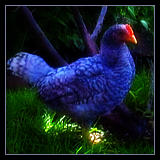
x=129 y=29
x=131 y=33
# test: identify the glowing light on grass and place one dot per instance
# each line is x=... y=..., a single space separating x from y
x=61 y=119
x=48 y=122
x=96 y=135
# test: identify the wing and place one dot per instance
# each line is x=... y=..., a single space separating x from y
x=72 y=84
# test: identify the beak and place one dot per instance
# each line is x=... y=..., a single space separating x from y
x=132 y=39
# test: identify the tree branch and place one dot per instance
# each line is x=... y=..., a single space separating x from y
x=99 y=25
x=89 y=44
x=58 y=60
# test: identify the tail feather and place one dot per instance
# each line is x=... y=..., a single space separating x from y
x=29 y=67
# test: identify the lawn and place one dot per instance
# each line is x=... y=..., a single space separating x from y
x=33 y=129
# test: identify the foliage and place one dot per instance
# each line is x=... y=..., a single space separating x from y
x=57 y=26
x=142 y=16
x=60 y=28
x=137 y=98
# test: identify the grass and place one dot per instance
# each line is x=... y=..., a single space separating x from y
x=32 y=129
x=137 y=98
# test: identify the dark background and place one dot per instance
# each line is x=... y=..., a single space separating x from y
x=59 y=26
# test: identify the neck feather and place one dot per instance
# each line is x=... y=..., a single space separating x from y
x=111 y=54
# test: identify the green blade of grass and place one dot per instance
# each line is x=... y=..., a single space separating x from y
x=79 y=149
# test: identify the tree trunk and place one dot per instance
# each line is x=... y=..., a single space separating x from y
x=58 y=60
x=89 y=44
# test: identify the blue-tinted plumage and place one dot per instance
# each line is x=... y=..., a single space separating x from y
x=88 y=88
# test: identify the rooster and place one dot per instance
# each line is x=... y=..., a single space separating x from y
x=88 y=88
